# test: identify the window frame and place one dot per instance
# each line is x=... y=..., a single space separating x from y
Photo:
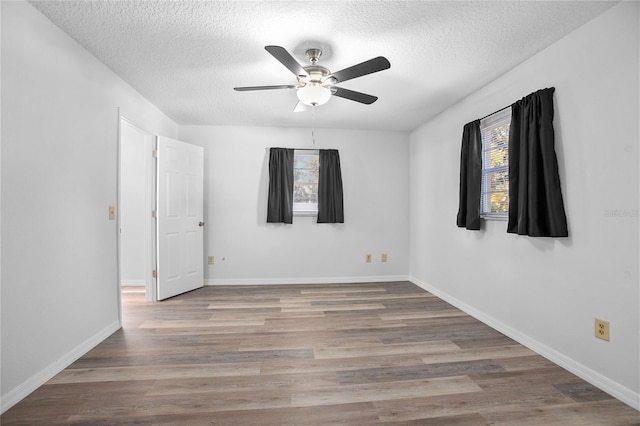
x=491 y=122
x=305 y=209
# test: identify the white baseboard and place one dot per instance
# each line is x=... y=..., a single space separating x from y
x=315 y=280
x=18 y=393
x=132 y=283
x=613 y=388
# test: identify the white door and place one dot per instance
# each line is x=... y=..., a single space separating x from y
x=180 y=218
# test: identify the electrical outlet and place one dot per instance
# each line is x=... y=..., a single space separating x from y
x=368 y=258
x=383 y=257
x=112 y=213
x=602 y=329
x=211 y=260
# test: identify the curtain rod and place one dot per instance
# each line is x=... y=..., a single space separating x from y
x=509 y=106
x=495 y=112
x=301 y=149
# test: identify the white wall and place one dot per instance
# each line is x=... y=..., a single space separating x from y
x=59 y=175
x=547 y=292
x=375 y=178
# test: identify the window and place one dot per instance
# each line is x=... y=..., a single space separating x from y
x=306 y=169
x=494 y=198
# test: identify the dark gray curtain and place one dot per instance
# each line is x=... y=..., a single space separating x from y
x=280 y=202
x=470 y=177
x=330 y=203
x=535 y=199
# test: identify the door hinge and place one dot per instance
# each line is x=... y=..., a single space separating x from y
x=155 y=153
x=154 y=214
x=155 y=274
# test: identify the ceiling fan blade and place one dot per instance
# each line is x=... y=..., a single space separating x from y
x=367 y=67
x=285 y=58
x=300 y=107
x=282 y=86
x=352 y=95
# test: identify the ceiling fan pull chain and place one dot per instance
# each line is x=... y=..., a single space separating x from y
x=313 y=124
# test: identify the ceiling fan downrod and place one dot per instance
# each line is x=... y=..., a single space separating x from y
x=313 y=55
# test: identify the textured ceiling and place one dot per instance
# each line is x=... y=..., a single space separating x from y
x=186 y=56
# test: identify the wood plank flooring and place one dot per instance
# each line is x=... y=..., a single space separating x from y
x=350 y=354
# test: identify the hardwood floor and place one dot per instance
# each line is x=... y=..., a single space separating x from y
x=351 y=354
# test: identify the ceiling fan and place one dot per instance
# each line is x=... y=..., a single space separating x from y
x=316 y=84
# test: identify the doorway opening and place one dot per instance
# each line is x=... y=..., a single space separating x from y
x=160 y=215
x=136 y=227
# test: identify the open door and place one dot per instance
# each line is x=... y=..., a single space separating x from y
x=180 y=221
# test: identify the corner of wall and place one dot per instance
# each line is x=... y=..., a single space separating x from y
x=13 y=396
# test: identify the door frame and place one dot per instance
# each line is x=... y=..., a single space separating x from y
x=150 y=202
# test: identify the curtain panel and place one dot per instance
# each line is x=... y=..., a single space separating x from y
x=536 y=206
x=470 y=177
x=330 y=199
x=280 y=200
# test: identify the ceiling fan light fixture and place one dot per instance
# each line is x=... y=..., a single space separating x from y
x=314 y=95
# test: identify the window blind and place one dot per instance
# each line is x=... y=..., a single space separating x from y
x=494 y=195
x=306 y=169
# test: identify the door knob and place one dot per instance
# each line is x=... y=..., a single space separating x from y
x=200 y=223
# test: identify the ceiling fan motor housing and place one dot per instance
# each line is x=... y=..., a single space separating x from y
x=315 y=74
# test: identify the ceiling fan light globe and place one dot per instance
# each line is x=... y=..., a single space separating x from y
x=314 y=95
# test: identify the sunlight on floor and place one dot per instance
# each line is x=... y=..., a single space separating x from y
x=131 y=289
